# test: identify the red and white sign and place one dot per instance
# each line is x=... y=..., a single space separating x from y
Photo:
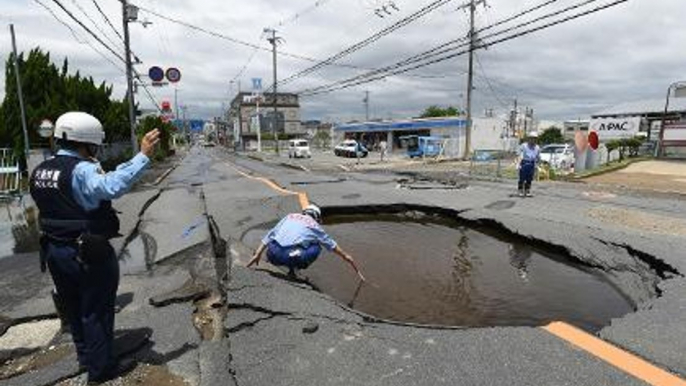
x=173 y=74
x=615 y=128
x=593 y=140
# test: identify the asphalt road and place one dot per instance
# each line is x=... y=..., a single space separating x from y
x=280 y=332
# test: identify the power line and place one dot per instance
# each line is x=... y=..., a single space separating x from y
x=281 y=23
x=76 y=37
x=96 y=25
x=392 y=69
x=88 y=30
x=364 y=43
x=223 y=36
x=443 y=48
x=488 y=81
x=107 y=20
x=99 y=40
x=299 y=14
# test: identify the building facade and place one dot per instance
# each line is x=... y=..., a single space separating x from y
x=243 y=116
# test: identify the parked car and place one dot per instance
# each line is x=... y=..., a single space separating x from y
x=299 y=148
x=558 y=156
x=350 y=148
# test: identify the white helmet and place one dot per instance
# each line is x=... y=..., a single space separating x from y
x=533 y=134
x=314 y=212
x=79 y=127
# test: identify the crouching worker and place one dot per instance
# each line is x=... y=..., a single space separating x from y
x=296 y=242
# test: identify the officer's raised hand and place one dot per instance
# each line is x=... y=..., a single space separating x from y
x=149 y=141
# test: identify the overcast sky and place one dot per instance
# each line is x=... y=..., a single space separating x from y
x=629 y=52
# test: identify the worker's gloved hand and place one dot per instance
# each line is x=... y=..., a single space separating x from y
x=149 y=141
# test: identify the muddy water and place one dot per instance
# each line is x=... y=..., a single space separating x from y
x=437 y=271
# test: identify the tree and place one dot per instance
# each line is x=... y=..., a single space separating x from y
x=550 y=136
x=437 y=111
x=166 y=129
x=49 y=92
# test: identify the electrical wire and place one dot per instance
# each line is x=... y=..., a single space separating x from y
x=78 y=38
x=480 y=45
x=107 y=20
x=445 y=47
x=299 y=14
x=366 y=42
x=88 y=30
x=96 y=25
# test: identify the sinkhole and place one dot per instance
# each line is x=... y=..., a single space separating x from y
x=437 y=270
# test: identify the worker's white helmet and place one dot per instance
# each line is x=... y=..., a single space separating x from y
x=80 y=127
x=532 y=134
x=314 y=212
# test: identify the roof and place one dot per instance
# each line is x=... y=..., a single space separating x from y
x=644 y=107
x=404 y=125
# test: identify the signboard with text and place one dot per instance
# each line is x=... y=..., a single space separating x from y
x=615 y=128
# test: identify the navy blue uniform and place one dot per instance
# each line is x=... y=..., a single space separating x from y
x=77 y=220
x=527 y=168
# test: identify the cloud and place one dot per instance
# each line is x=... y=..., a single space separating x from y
x=629 y=52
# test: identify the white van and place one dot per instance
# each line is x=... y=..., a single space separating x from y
x=299 y=148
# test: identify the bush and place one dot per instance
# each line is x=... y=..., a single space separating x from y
x=626 y=146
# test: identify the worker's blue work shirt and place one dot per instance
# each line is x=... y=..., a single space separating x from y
x=530 y=154
x=299 y=229
x=91 y=185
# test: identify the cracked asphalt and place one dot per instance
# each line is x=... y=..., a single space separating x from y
x=189 y=306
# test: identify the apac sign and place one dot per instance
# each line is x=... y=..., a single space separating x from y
x=614 y=128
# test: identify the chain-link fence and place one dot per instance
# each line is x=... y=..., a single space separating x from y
x=492 y=163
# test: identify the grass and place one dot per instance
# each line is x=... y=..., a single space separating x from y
x=609 y=168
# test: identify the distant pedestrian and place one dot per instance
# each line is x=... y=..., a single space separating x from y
x=383 y=147
x=77 y=220
x=530 y=156
x=297 y=240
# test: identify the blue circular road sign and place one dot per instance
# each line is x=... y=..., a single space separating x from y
x=156 y=74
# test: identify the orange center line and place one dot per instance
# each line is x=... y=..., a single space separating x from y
x=627 y=362
x=302 y=196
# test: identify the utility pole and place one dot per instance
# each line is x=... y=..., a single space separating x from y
x=129 y=73
x=20 y=94
x=176 y=102
x=470 y=79
x=366 y=105
x=515 y=118
x=274 y=40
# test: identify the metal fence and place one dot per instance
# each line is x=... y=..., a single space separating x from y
x=493 y=164
x=10 y=173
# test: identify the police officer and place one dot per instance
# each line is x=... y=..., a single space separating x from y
x=295 y=242
x=77 y=220
x=530 y=156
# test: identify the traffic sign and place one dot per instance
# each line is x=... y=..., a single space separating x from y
x=257 y=84
x=173 y=74
x=593 y=140
x=156 y=73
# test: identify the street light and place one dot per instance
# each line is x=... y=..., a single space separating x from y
x=678 y=87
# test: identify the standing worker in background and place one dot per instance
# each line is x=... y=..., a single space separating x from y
x=73 y=196
x=295 y=242
x=530 y=156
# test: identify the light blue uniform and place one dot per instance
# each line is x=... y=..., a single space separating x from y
x=299 y=229
x=530 y=154
x=90 y=185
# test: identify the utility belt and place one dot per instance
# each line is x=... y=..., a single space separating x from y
x=91 y=248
